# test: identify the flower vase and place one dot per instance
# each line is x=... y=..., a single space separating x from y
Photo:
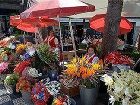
x=27 y=97
x=88 y=95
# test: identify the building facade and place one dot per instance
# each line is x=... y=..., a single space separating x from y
x=7 y=8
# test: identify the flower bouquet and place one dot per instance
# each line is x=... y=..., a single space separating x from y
x=61 y=100
x=3 y=66
x=47 y=56
x=10 y=83
x=23 y=85
x=30 y=74
x=80 y=68
x=123 y=87
x=21 y=66
x=20 y=48
x=53 y=87
x=11 y=79
x=40 y=95
x=118 y=58
x=4 y=56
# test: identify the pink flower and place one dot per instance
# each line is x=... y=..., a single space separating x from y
x=3 y=66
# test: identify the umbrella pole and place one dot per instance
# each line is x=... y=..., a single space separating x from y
x=24 y=37
x=61 y=42
x=72 y=36
x=40 y=35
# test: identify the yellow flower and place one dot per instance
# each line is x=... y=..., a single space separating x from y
x=20 y=48
x=96 y=66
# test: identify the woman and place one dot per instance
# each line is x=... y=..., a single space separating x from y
x=51 y=40
x=91 y=56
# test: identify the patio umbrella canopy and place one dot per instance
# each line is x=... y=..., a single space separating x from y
x=27 y=27
x=31 y=24
x=54 y=8
x=98 y=23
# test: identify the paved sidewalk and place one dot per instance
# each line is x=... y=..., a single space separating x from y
x=6 y=98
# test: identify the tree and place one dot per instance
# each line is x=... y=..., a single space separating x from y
x=112 y=21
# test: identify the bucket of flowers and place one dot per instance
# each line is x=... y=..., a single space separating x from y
x=3 y=67
x=20 y=49
x=40 y=94
x=24 y=86
x=10 y=82
x=51 y=60
x=87 y=75
x=117 y=60
x=21 y=66
x=61 y=99
x=31 y=74
x=123 y=87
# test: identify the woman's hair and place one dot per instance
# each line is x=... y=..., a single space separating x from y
x=93 y=47
x=50 y=32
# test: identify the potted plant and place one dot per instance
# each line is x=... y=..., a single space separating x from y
x=123 y=87
x=85 y=73
x=10 y=82
x=24 y=86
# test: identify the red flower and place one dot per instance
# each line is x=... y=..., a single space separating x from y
x=21 y=66
x=118 y=58
x=23 y=85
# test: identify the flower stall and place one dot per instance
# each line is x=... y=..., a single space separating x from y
x=33 y=70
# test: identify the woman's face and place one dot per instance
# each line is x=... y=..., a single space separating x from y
x=90 y=51
x=51 y=33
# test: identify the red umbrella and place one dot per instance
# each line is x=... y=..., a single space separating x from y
x=27 y=27
x=31 y=24
x=54 y=8
x=98 y=22
x=15 y=20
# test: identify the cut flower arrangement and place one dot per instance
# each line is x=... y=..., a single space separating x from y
x=23 y=85
x=117 y=58
x=11 y=79
x=123 y=87
x=84 y=72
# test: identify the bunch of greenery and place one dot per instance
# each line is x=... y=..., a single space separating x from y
x=11 y=79
x=45 y=54
x=135 y=55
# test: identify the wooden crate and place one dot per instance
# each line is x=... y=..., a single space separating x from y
x=72 y=91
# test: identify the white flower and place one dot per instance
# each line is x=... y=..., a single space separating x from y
x=11 y=46
x=125 y=101
x=33 y=72
x=112 y=99
x=107 y=79
x=31 y=51
x=127 y=92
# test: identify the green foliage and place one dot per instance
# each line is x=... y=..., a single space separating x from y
x=45 y=54
x=11 y=79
